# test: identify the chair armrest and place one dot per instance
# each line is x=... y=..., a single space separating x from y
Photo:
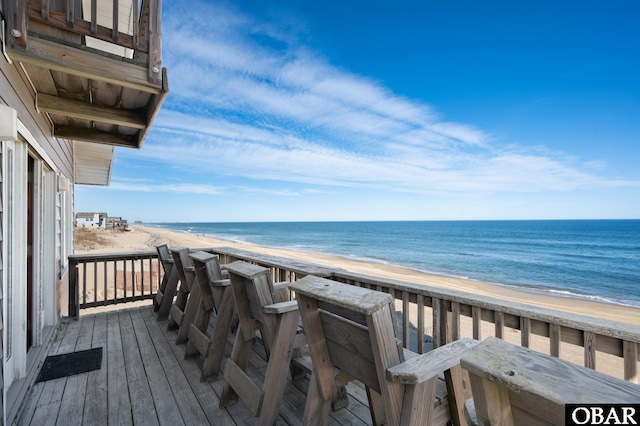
x=281 y=308
x=220 y=283
x=427 y=366
x=189 y=269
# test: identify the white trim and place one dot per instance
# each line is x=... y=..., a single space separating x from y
x=7 y=279
x=37 y=255
x=15 y=265
x=50 y=311
x=26 y=134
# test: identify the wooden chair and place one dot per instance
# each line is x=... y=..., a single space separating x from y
x=277 y=324
x=164 y=297
x=178 y=317
x=513 y=385
x=353 y=331
x=211 y=293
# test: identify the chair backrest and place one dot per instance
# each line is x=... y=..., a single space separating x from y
x=515 y=385
x=212 y=272
x=359 y=328
x=181 y=260
x=207 y=269
x=252 y=288
x=165 y=257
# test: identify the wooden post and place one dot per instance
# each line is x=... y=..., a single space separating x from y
x=476 y=315
x=136 y=24
x=436 y=317
x=455 y=321
x=589 y=349
x=70 y=13
x=630 y=353
x=406 y=328
x=73 y=289
x=155 y=41
x=555 y=337
x=498 y=318
x=525 y=331
x=44 y=9
x=421 y=330
x=114 y=28
x=94 y=17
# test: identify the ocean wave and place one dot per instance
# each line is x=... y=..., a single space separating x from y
x=571 y=294
x=566 y=293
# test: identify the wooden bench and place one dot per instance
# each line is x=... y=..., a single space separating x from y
x=353 y=331
x=164 y=297
x=211 y=293
x=277 y=324
x=513 y=385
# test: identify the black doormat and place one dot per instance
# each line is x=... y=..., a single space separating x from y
x=64 y=365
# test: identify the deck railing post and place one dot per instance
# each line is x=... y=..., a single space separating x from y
x=73 y=289
x=155 y=41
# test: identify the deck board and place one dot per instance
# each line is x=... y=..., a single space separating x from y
x=72 y=405
x=144 y=412
x=118 y=402
x=95 y=400
x=203 y=391
x=145 y=379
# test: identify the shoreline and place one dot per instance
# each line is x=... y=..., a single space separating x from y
x=541 y=291
x=143 y=237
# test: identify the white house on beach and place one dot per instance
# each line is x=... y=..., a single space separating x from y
x=91 y=220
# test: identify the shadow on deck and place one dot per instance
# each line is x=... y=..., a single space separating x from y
x=145 y=379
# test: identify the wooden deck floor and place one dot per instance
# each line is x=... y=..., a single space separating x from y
x=145 y=379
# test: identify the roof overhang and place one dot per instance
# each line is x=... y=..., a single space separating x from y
x=93 y=163
x=96 y=70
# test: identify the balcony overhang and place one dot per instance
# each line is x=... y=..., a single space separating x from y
x=93 y=163
x=98 y=80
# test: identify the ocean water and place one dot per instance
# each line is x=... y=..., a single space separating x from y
x=589 y=259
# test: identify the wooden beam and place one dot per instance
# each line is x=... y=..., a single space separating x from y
x=95 y=136
x=155 y=41
x=154 y=107
x=84 y=63
x=79 y=109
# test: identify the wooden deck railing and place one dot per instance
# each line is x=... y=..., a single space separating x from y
x=448 y=315
x=107 y=279
x=71 y=22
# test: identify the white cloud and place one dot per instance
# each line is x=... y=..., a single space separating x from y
x=183 y=188
x=279 y=111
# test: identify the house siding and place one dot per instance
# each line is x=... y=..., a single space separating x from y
x=21 y=97
x=17 y=93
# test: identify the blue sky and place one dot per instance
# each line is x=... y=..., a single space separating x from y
x=405 y=110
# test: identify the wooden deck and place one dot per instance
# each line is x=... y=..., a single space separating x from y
x=145 y=379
